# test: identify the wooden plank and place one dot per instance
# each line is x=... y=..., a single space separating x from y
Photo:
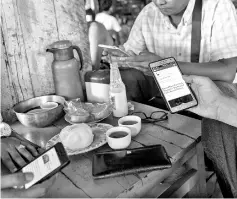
x=169 y=136
x=187 y=181
x=148 y=140
x=202 y=189
x=61 y=123
x=64 y=188
x=164 y=185
x=211 y=183
x=39 y=136
x=180 y=123
x=80 y=173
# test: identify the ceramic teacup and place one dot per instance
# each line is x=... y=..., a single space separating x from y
x=118 y=137
x=133 y=122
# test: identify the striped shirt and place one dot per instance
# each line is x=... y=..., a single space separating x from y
x=154 y=32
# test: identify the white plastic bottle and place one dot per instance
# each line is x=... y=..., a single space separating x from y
x=118 y=95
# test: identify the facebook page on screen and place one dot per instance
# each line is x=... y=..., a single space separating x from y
x=172 y=84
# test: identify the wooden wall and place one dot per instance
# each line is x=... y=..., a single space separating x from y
x=27 y=27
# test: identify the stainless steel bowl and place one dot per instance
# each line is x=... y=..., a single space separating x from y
x=41 y=119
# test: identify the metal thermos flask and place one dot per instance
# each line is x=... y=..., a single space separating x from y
x=66 y=70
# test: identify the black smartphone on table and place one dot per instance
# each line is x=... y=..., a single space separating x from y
x=47 y=164
x=175 y=91
x=128 y=161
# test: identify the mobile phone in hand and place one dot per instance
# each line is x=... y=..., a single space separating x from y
x=47 y=164
x=176 y=93
x=114 y=50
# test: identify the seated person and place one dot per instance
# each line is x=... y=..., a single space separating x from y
x=219 y=141
x=164 y=28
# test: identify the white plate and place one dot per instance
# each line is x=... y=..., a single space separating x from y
x=98 y=129
x=91 y=120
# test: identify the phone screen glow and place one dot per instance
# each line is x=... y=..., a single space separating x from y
x=172 y=84
x=42 y=166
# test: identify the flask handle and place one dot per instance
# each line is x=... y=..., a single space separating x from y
x=79 y=54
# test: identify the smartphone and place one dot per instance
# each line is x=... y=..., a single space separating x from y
x=128 y=161
x=47 y=164
x=112 y=49
x=176 y=93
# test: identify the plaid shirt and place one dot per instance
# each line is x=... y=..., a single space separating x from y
x=154 y=32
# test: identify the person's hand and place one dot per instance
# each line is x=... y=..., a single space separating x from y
x=19 y=180
x=207 y=94
x=13 y=149
x=139 y=62
x=117 y=53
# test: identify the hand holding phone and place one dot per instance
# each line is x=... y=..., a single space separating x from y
x=47 y=164
x=19 y=179
x=114 y=50
x=176 y=93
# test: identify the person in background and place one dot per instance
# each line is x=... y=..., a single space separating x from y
x=220 y=143
x=110 y=22
x=163 y=29
x=126 y=26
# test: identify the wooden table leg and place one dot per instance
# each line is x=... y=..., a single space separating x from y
x=201 y=171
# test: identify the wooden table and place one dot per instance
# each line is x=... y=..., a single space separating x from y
x=180 y=135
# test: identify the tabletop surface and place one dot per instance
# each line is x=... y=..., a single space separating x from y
x=175 y=134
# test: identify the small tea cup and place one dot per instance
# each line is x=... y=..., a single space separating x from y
x=118 y=137
x=133 y=122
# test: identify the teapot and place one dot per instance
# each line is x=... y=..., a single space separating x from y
x=66 y=69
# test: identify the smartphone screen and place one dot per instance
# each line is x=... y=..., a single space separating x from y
x=43 y=166
x=176 y=92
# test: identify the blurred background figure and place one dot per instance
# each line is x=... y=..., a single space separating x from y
x=97 y=34
x=91 y=7
x=104 y=16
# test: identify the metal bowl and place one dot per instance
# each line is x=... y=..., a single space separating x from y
x=39 y=119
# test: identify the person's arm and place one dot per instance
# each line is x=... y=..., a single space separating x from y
x=223 y=46
x=227 y=110
x=222 y=70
